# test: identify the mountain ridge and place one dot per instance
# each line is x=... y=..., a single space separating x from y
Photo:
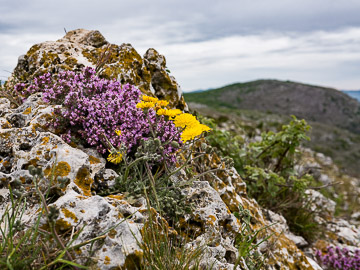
x=314 y=103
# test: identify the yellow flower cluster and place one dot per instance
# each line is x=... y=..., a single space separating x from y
x=162 y=103
x=185 y=120
x=170 y=113
x=190 y=133
x=151 y=102
x=145 y=105
x=115 y=158
x=118 y=132
x=192 y=127
x=149 y=99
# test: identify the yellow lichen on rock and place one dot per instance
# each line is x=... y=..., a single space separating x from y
x=93 y=160
x=80 y=48
x=27 y=111
x=69 y=214
x=61 y=169
x=287 y=255
x=84 y=181
x=45 y=140
x=112 y=233
x=124 y=64
x=33 y=161
x=62 y=225
x=116 y=197
x=49 y=58
x=211 y=219
x=107 y=260
x=5 y=124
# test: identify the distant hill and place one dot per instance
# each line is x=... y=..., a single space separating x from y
x=340 y=144
x=354 y=94
x=313 y=103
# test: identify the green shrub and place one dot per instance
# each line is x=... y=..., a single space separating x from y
x=229 y=144
x=268 y=168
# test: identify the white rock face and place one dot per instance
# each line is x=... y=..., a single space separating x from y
x=320 y=204
x=219 y=226
x=4 y=106
x=280 y=225
x=103 y=216
x=314 y=264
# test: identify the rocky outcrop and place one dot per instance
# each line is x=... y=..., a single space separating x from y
x=26 y=140
x=218 y=197
x=80 y=48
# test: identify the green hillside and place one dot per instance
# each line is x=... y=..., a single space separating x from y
x=312 y=103
x=263 y=105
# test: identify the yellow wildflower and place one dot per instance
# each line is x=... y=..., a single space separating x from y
x=162 y=103
x=191 y=132
x=185 y=120
x=173 y=112
x=204 y=128
x=115 y=158
x=161 y=111
x=149 y=99
x=170 y=113
x=118 y=132
x=145 y=105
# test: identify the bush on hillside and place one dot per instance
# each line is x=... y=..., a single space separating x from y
x=268 y=168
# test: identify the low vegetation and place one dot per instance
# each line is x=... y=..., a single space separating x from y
x=268 y=168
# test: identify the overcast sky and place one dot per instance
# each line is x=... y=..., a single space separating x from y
x=206 y=43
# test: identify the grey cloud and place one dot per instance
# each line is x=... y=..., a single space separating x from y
x=191 y=34
x=208 y=19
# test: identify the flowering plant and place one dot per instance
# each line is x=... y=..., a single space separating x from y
x=339 y=258
x=187 y=125
x=106 y=114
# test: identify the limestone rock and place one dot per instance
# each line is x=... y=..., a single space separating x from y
x=341 y=231
x=112 y=217
x=4 y=106
x=161 y=81
x=216 y=228
x=105 y=178
x=320 y=204
x=280 y=225
x=80 y=48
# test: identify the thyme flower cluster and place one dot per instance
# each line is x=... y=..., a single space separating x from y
x=337 y=258
x=93 y=109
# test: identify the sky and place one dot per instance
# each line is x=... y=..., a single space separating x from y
x=207 y=43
